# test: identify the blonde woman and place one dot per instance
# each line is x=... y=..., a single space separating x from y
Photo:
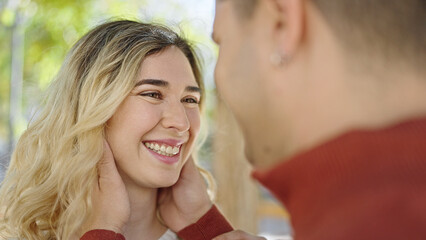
x=129 y=93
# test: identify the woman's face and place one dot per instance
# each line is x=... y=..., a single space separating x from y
x=152 y=133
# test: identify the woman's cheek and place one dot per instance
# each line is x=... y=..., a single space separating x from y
x=195 y=121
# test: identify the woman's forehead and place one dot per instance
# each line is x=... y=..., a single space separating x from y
x=170 y=65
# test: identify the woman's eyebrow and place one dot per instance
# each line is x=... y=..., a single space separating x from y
x=162 y=83
x=193 y=89
x=155 y=82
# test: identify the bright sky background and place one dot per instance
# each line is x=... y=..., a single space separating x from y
x=198 y=11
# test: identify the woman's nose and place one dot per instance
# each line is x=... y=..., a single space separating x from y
x=175 y=117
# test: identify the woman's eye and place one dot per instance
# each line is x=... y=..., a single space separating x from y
x=191 y=100
x=155 y=95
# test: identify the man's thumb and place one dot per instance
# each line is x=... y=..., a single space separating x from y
x=106 y=165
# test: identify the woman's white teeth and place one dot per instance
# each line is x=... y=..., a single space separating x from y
x=169 y=150
x=175 y=150
x=163 y=149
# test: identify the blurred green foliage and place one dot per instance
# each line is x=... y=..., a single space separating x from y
x=50 y=28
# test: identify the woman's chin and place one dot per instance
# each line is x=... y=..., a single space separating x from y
x=164 y=182
x=168 y=183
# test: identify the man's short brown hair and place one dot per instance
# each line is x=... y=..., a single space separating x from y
x=244 y=7
x=392 y=28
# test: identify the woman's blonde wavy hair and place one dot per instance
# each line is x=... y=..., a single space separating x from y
x=47 y=188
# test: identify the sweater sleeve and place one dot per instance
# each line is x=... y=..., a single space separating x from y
x=212 y=224
x=101 y=234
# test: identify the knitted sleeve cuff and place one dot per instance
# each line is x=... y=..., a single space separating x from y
x=102 y=234
x=212 y=224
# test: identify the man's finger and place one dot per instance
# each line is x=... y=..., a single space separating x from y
x=189 y=171
x=107 y=158
x=189 y=165
x=107 y=169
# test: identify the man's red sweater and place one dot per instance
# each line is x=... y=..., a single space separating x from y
x=365 y=184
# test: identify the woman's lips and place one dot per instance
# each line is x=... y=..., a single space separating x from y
x=165 y=159
x=165 y=150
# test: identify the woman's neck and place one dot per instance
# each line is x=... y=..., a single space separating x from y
x=143 y=222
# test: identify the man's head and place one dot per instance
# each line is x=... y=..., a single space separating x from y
x=292 y=71
x=391 y=27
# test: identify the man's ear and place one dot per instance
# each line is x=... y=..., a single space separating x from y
x=289 y=18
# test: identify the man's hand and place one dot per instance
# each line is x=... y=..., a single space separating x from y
x=110 y=200
x=185 y=202
x=238 y=235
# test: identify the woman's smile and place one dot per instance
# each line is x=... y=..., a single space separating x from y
x=165 y=150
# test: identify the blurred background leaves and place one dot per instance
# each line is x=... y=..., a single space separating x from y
x=36 y=34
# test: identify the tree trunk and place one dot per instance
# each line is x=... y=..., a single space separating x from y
x=16 y=77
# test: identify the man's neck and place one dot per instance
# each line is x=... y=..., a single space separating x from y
x=362 y=102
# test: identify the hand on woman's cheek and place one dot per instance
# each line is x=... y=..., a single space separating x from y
x=185 y=202
x=110 y=200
